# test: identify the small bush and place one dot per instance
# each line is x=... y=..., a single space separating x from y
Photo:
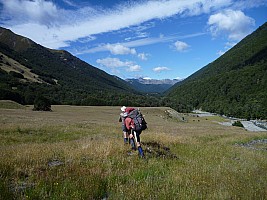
x=238 y=123
x=42 y=104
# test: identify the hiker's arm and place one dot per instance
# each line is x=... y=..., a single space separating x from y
x=128 y=123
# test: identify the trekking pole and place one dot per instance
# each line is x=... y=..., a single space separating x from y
x=135 y=138
x=132 y=141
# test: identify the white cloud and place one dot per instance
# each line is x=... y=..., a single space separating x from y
x=249 y=4
x=134 y=68
x=117 y=63
x=147 y=78
x=230 y=44
x=220 y=53
x=37 y=11
x=113 y=62
x=119 y=49
x=70 y=3
x=233 y=23
x=141 y=42
x=227 y=46
x=160 y=69
x=54 y=27
x=142 y=56
x=181 y=46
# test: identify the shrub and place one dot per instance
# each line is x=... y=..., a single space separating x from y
x=238 y=123
x=42 y=104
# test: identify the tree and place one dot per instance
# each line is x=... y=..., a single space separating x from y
x=42 y=104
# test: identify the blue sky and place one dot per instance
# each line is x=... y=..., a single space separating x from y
x=156 y=39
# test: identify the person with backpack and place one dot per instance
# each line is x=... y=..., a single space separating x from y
x=124 y=129
x=126 y=132
x=135 y=124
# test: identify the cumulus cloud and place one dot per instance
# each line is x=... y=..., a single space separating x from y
x=55 y=27
x=117 y=63
x=233 y=23
x=181 y=46
x=119 y=49
x=113 y=62
x=142 y=56
x=134 y=68
x=160 y=69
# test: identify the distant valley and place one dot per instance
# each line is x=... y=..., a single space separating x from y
x=152 y=86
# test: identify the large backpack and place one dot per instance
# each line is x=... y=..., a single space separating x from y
x=138 y=120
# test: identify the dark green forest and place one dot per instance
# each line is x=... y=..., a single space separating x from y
x=234 y=85
x=67 y=79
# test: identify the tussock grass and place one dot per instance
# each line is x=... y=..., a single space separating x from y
x=7 y=104
x=78 y=153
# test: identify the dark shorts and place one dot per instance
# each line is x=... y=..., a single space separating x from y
x=124 y=129
x=137 y=134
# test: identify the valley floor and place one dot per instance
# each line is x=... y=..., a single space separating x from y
x=78 y=153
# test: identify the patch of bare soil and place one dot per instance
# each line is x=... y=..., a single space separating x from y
x=155 y=149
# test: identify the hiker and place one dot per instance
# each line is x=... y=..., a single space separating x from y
x=124 y=129
x=126 y=132
x=133 y=133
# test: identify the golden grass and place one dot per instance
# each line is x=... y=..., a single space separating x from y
x=7 y=104
x=78 y=153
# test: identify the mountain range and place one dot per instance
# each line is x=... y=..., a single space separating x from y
x=152 y=86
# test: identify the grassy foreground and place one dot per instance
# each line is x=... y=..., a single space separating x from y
x=78 y=153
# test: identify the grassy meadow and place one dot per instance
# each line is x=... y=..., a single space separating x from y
x=78 y=153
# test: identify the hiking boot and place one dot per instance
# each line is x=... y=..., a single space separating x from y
x=141 y=153
x=125 y=140
x=134 y=148
x=132 y=144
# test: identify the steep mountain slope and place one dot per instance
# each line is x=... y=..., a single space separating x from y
x=55 y=74
x=235 y=84
x=151 y=86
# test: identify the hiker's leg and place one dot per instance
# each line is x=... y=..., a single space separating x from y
x=128 y=136
x=137 y=139
x=132 y=142
x=125 y=135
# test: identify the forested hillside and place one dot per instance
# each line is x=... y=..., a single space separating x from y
x=235 y=84
x=57 y=75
